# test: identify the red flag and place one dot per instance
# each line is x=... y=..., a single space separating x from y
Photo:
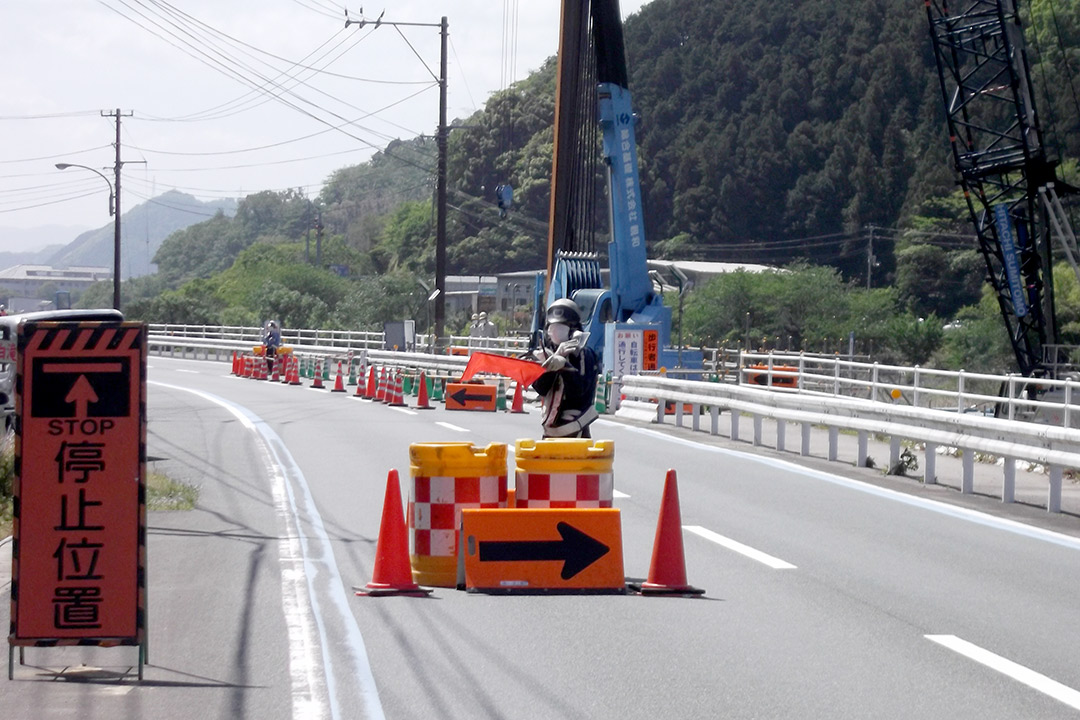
x=524 y=371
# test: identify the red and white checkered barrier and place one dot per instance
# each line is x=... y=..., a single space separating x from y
x=563 y=490
x=435 y=505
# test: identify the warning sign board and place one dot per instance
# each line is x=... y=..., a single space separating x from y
x=542 y=549
x=471 y=396
x=78 y=561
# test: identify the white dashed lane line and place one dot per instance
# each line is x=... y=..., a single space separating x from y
x=1025 y=675
x=745 y=550
x=450 y=426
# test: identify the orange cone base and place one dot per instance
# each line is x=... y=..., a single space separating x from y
x=373 y=589
x=648 y=588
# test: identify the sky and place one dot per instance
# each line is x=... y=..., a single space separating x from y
x=222 y=98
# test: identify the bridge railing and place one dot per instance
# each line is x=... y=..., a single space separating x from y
x=649 y=397
x=1012 y=397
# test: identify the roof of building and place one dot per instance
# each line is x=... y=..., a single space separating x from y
x=34 y=272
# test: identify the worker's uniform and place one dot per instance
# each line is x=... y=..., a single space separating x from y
x=569 y=392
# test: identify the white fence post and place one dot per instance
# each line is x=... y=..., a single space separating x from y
x=1008 y=481
x=967 y=482
x=1053 y=498
x=930 y=463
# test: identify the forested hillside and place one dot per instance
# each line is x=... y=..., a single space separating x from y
x=783 y=132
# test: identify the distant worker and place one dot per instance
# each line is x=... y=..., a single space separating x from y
x=271 y=341
x=568 y=387
x=3 y=310
x=486 y=330
x=474 y=330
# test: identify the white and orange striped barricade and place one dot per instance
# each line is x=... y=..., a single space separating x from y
x=564 y=473
x=446 y=478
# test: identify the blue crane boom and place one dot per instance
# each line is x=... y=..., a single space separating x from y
x=629 y=326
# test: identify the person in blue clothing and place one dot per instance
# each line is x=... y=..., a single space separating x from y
x=271 y=341
x=568 y=385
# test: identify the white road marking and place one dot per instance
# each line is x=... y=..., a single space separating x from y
x=407 y=411
x=314 y=693
x=764 y=558
x=618 y=494
x=193 y=372
x=974 y=516
x=450 y=426
x=1027 y=676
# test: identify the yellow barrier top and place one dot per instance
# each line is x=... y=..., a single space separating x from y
x=565 y=449
x=457 y=459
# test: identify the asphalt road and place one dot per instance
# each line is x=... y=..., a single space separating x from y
x=828 y=594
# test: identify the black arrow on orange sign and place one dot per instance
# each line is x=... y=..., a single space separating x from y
x=462 y=396
x=576 y=549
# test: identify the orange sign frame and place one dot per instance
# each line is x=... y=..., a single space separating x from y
x=471 y=396
x=79 y=556
x=543 y=549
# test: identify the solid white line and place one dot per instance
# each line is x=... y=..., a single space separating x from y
x=974 y=516
x=301 y=565
x=449 y=426
x=764 y=558
x=1027 y=676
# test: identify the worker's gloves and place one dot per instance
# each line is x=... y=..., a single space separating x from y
x=556 y=362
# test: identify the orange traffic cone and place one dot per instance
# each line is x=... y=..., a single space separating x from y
x=372 y=383
x=518 y=406
x=398 y=398
x=317 y=381
x=275 y=376
x=421 y=394
x=393 y=575
x=294 y=370
x=235 y=365
x=339 y=383
x=667 y=573
x=360 y=384
x=380 y=387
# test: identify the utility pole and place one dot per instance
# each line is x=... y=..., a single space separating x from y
x=870 y=259
x=440 y=198
x=440 y=178
x=119 y=164
x=318 y=237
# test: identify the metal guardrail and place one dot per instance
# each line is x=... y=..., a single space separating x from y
x=1057 y=448
x=221 y=350
x=354 y=340
x=1013 y=397
x=880 y=399
x=1052 y=402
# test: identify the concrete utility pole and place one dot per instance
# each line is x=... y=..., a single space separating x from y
x=440 y=177
x=114 y=198
x=119 y=164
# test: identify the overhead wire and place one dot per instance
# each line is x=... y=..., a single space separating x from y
x=214 y=60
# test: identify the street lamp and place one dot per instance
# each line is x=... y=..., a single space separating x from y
x=116 y=228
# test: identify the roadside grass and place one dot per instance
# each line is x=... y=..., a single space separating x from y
x=165 y=494
x=7 y=480
x=162 y=492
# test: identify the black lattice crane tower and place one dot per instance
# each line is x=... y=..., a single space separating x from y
x=1008 y=179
